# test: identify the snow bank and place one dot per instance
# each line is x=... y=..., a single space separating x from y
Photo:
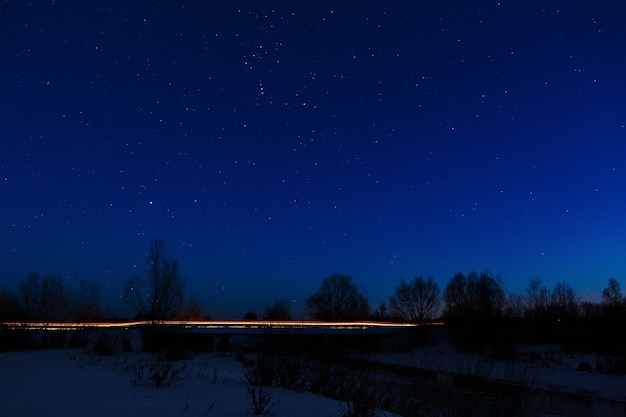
x=67 y=382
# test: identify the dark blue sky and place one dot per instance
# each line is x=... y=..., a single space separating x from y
x=271 y=144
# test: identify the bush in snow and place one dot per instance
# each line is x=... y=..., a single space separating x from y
x=261 y=399
x=158 y=374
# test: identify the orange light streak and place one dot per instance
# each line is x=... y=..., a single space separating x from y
x=214 y=324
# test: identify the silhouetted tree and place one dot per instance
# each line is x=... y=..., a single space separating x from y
x=45 y=300
x=159 y=295
x=280 y=310
x=563 y=301
x=474 y=303
x=30 y=296
x=338 y=299
x=457 y=296
x=474 y=297
x=86 y=302
x=250 y=315
x=537 y=298
x=55 y=299
x=589 y=310
x=380 y=312
x=10 y=306
x=515 y=306
x=612 y=299
x=417 y=301
x=491 y=296
x=192 y=310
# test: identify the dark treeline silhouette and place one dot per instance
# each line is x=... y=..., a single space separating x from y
x=49 y=299
x=191 y=310
x=478 y=313
x=476 y=309
x=10 y=306
x=280 y=310
x=156 y=296
x=471 y=297
x=475 y=297
x=474 y=304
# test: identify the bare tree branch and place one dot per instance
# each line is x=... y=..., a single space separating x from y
x=159 y=295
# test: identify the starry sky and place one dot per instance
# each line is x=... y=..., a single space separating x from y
x=271 y=144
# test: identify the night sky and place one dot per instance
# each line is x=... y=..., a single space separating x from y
x=270 y=144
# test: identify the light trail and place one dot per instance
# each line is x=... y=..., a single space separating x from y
x=217 y=324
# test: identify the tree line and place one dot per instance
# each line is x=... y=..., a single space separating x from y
x=467 y=297
x=159 y=295
x=48 y=299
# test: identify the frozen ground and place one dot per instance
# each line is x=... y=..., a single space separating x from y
x=61 y=383
x=69 y=382
x=553 y=369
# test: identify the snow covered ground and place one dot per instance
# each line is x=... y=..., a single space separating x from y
x=65 y=383
x=553 y=369
x=566 y=389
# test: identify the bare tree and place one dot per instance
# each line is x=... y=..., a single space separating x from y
x=10 y=306
x=612 y=298
x=515 y=306
x=475 y=296
x=280 y=310
x=250 y=315
x=380 y=312
x=45 y=300
x=55 y=299
x=338 y=299
x=612 y=294
x=30 y=295
x=457 y=296
x=417 y=301
x=537 y=298
x=490 y=296
x=589 y=310
x=564 y=301
x=86 y=302
x=191 y=310
x=159 y=295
